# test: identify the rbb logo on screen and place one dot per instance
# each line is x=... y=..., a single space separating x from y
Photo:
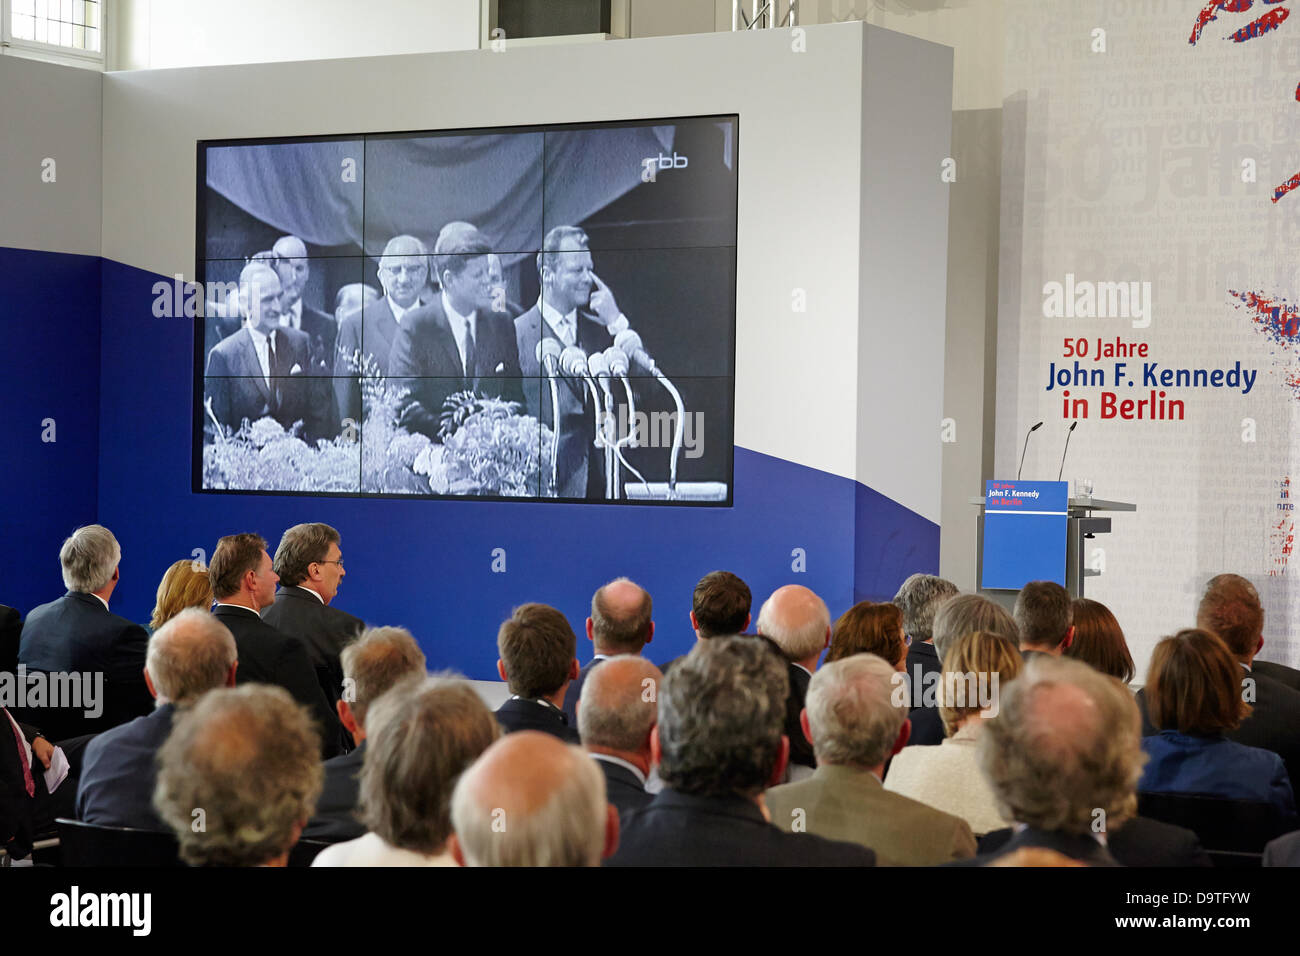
x=652 y=164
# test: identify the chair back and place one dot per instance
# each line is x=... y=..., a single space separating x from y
x=1232 y=826
x=88 y=844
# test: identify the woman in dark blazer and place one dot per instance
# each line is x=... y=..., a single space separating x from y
x=1193 y=693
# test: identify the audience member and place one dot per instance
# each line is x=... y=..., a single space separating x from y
x=1063 y=756
x=1099 y=640
x=947 y=776
x=1232 y=609
x=425 y=733
x=189 y=655
x=718 y=745
x=869 y=628
x=856 y=721
x=798 y=622
x=532 y=800
x=184 y=585
x=616 y=714
x=78 y=633
x=621 y=622
x=27 y=808
x=536 y=645
x=1193 y=696
x=919 y=599
x=960 y=615
x=244 y=584
x=372 y=664
x=309 y=564
x=1044 y=615
x=246 y=763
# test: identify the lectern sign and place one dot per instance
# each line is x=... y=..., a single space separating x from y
x=1025 y=529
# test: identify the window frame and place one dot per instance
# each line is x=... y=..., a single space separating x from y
x=53 y=52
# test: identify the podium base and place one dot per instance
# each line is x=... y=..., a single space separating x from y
x=685 y=491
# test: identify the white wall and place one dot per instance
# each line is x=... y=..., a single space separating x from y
x=157 y=34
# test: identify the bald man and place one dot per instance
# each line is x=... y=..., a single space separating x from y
x=369 y=332
x=257 y=371
x=620 y=623
x=616 y=713
x=798 y=622
x=531 y=800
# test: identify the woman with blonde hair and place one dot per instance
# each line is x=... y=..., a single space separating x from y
x=184 y=585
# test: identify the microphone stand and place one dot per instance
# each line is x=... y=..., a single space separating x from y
x=549 y=365
x=677 y=432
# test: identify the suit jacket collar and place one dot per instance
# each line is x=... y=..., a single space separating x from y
x=302 y=594
x=922 y=650
x=90 y=600
x=618 y=767
x=1074 y=845
x=236 y=610
x=839 y=775
x=731 y=806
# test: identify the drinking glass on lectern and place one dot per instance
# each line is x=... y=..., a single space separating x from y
x=1083 y=488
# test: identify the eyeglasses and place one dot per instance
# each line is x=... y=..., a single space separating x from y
x=339 y=562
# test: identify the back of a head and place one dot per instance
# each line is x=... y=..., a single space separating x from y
x=1099 y=640
x=721 y=604
x=185 y=584
x=853 y=711
x=536 y=645
x=868 y=628
x=234 y=556
x=919 y=598
x=1194 y=685
x=246 y=762
x=619 y=703
x=721 y=715
x=190 y=655
x=1230 y=607
x=966 y=613
x=621 y=614
x=980 y=657
x=423 y=734
x=89 y=557
x=796 y=619
x=1064 y=751
x=300 y=547
x=1043 y=613
x=376 y=661
x=531 y=800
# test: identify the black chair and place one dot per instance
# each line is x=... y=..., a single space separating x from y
x=304 y=851
x=87 y=844
x=1232 y=831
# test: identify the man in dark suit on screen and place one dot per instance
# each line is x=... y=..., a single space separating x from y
x=294 y=269
x=456 y=343
x=575 y=309
x=719 y=745
x=244 y=583
x=259 y=370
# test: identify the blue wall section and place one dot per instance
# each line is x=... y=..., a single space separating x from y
x=49 y=311
x=428 y=564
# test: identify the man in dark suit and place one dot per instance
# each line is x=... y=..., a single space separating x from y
x=373 y=664
x=367 y=335
x=79 y=634
x=190 y=655
x=294 y=269
x=919 y=598
x=1063 y=757
x=575 y=308
x=720 y=607
x=536 y=645
x=309 y=564
x=621 y=622
x=1044 y=615
x=719 y=744
x=616 y=714
x=243 y=584
x=260 y=369
x=1140 y=842
x=798 y=622
x=456 y=343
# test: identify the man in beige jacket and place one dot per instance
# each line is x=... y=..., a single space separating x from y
x=856 y=718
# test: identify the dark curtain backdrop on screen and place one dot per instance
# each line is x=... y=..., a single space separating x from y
x=340 y=364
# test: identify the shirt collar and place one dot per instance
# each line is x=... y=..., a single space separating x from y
x=239 y=607
x=620 y=762
x=292 y=318
x=553 y=317
x=259 y=338
x=299 y=587
x=398 y=311
x=99 y=599
x=459 y=321
x=802 y=668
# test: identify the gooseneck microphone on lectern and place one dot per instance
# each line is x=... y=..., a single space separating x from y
x=1061 y=470
x=1025 y=449
x=548 y=356
x=630 y=344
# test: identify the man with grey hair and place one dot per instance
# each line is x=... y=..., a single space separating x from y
x=719 y=745
x=190 y=655
x=616 y=714
x=245 y=761
x=532 y=800
x=79 y=634
x=377 y=661
x=1063 y=756
x=798 y=622
x=856 y=722
x=919 y=598
x=1044 y=615
x=621 y=622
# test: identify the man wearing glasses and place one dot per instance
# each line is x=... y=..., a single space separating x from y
x=309 y=563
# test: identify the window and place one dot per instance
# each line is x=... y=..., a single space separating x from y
x=67 y=30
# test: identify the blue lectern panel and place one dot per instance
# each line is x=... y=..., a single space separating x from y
x=1025 y=530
